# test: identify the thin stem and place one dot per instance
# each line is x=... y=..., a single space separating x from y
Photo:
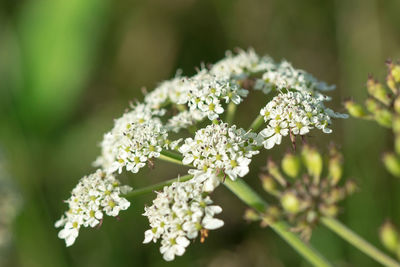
x=171 y=157
x=231 y=111
x=256 y=124
x=358 y=242
x=155 y=187
x=252 y=199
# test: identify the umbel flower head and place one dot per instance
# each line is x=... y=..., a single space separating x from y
x=94 y=195
x=296 y=113
x=218 y=150
x=179 y=213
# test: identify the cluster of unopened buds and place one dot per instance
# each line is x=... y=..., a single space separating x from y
x=305 y=190
x=383 y=106
x=161 y=125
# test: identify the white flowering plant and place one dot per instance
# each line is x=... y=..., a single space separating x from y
x=189 y=121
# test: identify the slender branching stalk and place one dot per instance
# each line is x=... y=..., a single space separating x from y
x=230 y=114
x=358 y=242
x=155 y=187
x=256 y=124
x=253 y=200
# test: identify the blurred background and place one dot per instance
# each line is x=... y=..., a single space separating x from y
x=68 y=68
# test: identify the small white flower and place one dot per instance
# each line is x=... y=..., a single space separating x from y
x=220 y=148
x=178 y=214
x=94 y=195
x=295 y=112
x=273 y=134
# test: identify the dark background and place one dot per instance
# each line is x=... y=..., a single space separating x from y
x=68 y=68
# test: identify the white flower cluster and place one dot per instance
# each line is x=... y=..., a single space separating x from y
x=139 y=143
x=94 y=195
x=285 y=76
x=295 y=112
x=220 y=148
x=177 y=215
x=242 y=65
x=207 y=94
x=206 y=91
x=118 y=149
x=183 y=120
x=183 y=210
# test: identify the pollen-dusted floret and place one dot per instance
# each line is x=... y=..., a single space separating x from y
x=94 y=195
x=295 y=112
x=179 y=213
x=221 y=149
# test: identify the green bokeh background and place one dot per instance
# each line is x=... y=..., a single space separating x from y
x=69 y=67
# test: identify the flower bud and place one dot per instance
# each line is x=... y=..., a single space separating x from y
x=377 y=90
x=391 y=83
x=311 y=216
x=392 y=163
x=395 y=72
x=291 y=165
x=397 y=143
x=372 y=105
x=313 y=161
x=384 y=117
x=251 y=215
x=329 y=210
x=270 y=216
x=335 y=167
x=389 y=236
x=290 y=202
x=354 y=109
x=273 y=169
x=268 y=183
x=396 y=105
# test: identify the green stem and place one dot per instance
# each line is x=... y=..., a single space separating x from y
x=155 y=187
x=256 y=124
x=252 y=199
x=358 y=242
x=230 y=115
x=171 y=157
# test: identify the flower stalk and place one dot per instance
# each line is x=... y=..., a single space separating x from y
x=257 y=123
x=358 y=242
x=230 y=113
x=155 y=187
x=252 y=199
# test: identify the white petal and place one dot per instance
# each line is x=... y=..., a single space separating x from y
x=182 y=241
x=212 y=223
x=148 y=236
